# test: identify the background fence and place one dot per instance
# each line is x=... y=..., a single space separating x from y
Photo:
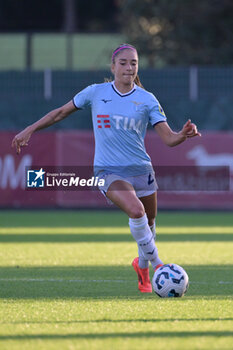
x=203 y=94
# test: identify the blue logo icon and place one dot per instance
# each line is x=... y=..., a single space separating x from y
x=35 y=178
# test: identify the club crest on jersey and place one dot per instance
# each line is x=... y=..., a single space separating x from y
x=137 y=103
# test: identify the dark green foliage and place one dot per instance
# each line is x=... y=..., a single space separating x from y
x=180 y=31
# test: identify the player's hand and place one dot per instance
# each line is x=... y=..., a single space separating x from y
x=21 y=140
x=190 y=129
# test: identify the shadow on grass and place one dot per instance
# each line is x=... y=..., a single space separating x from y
x=107 y=217
x=97 y=282
x=73 y=238
x=137 y=320
x=118 y=335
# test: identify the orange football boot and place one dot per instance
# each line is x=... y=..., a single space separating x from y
x=144 y=284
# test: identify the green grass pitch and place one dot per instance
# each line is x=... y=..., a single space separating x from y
x=66 y=282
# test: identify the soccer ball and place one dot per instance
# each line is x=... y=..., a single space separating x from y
x=170 y=280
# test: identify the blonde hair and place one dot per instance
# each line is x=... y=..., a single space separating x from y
x=116 y=52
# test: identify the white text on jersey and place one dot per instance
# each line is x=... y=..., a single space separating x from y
x=126 y=123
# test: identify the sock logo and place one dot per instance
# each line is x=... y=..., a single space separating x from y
x=148 y=242
x=151 y=253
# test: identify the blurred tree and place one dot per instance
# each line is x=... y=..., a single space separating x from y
x=98 y=16
x=70 y=16
x=59 y=15
x=180 y=31
x=28 y=15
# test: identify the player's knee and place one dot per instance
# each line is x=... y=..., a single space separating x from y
x=136 y=212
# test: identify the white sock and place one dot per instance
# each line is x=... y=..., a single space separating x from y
x=142 y=234
x=143 y=263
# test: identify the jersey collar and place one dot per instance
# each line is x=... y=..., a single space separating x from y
x=119 y=93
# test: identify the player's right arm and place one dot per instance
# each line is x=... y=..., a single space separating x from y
x=54 y=116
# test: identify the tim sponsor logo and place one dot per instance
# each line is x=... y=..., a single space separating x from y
x=127 y=123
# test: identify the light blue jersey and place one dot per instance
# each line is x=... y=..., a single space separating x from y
x=120 y=122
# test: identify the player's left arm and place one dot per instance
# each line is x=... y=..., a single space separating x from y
x=172 y=138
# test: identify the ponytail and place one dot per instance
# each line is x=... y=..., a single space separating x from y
x=138 y=82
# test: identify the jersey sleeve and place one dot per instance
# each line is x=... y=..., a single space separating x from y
x=156 y=112
x=84 y=98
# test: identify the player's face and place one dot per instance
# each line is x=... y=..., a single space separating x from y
x=125 y=67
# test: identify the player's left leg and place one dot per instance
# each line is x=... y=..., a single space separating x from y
x=150 y=205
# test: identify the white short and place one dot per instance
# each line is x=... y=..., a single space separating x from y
x=144 y=185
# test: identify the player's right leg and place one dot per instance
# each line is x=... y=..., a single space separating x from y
x=122 y=194
x=150 y=205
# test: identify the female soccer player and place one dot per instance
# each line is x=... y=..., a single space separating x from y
x=121 y=110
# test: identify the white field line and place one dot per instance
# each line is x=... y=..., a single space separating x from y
x=63 y=280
